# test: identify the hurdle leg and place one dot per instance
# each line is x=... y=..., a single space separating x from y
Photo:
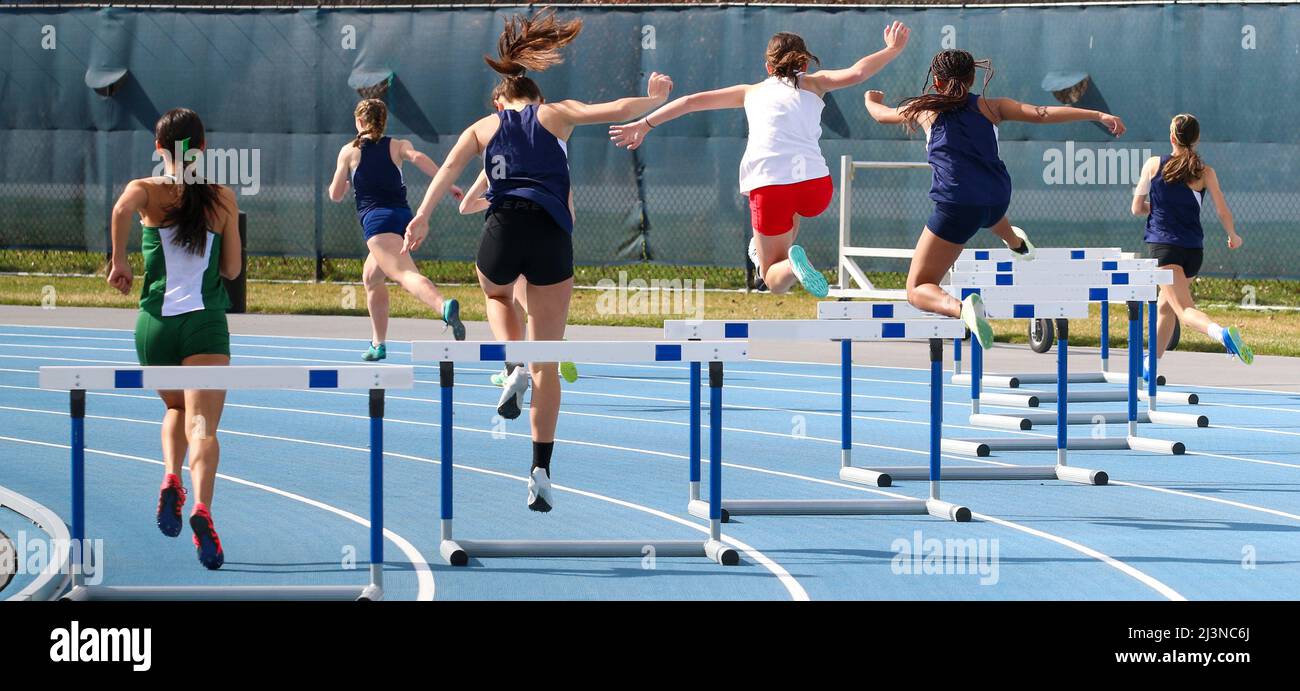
x=934 y=505
x=1135 y=441
x=451 y=551
x=847 y=471
x=714 y=547
x=77 y=412
x=375 y=590
x=695 y=505
x=956 y=357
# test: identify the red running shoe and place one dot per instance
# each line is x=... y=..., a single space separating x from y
x=206 y=541
x=171 y=497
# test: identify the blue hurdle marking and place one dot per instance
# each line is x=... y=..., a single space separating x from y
x=128 y=379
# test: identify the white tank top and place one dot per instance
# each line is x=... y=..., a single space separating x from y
x=785 y=126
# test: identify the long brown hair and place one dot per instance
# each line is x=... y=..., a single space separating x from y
x=789 y=55
x=373 y=114
x=956 y=69
x=193 y=214
x=1186 y=164
x=529 y=43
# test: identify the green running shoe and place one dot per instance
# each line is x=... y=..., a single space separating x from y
x=569 y=371
x=451 y=315
x=375 y=353
x=972 y=313
x=1236 y=346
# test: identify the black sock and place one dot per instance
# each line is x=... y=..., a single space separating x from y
x=542 y=456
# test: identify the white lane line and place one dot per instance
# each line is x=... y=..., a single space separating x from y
x=791 y=585
x=424 y=575
x=1146 y=579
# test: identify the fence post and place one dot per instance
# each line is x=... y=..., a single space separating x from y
x=237 y=288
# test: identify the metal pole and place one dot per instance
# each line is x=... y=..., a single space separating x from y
x=846 y=403
x=976 y=373
x=446 y=379
x=846 y=210
x=695 y=426
x=1134 y=362
x=1151 y=354
x=1105 y=336
x=936 y=413
x=376 y=477
x=715 y=449
x=1062 y=388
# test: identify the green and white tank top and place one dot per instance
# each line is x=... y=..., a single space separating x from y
x=177 y=281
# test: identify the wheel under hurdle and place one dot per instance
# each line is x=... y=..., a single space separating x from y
x=931 y=329
x=78 y=380
x=458 y=551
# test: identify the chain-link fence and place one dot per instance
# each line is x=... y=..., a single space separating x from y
x=274 y=89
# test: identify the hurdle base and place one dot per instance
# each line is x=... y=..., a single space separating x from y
x=970 y=447
x=1122 y=378
x=1027 y=421
x=1014 y=381
x=866 y=476
x=700 y=509
x=599 y=549
x=224 y=593
x=1041 y=472
x=1032 y=399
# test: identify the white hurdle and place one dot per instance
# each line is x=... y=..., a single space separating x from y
x=78 y=380
x=458 y=552
x=1026 y=309
x=846 y=332
x=853 y=281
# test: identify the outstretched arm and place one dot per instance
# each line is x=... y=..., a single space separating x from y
x=579 y=113
x=880 y=112
x=342 y=171
x=1011 y=109
x=1221 y=208
x=822 y=81
x=407 y=152
x=465 y=150
x=632 y=134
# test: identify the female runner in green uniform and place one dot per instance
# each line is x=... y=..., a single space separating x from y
x=190 y=242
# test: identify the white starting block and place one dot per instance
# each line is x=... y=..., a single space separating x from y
x=458 y=552
x=935 y=330
x=376 y=378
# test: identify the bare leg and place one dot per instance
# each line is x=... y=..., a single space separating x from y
x=376 y=299
x=521 y=298
x=386 y=248
x=774 y=259
x=933 y=258
x=548 y=312
x=1179 y=298
x=503 y=315
x=174 y=442
x=202 y=415
x=1002 y=229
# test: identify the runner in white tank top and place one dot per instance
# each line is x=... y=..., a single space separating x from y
x=783 y=172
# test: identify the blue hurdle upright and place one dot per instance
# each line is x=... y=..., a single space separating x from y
x=846 y=332
x=457 y=551
x=78 y=380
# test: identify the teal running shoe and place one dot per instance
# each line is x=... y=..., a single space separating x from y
x=451 y=315
x=810 y=278
x=1236 y=346
x=375 y=353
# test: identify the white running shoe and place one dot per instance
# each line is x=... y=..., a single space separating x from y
x=512 y=393
x=753 y=256
x=972 y=314
x=539 y=491
x=1028 y=254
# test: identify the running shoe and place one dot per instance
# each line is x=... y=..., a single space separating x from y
x=499 y=379
x=170 y=500
x=512 y=394
x=753 y=257
x=1236 y=346
x=810 y=278
x=972 y=314
x=539 y=491
x=375 y=353
x=451 y=315
x=206 y=541
x=1025 y=252
x=569 y=371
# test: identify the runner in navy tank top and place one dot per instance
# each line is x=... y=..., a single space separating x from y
x=372 y=163
x=527 y=229
x=970 y=186
x=1169 y=193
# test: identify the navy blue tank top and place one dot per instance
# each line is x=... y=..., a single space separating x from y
x=963 y=153
x=1175 y=217
x=526 y=161
x=377 y=181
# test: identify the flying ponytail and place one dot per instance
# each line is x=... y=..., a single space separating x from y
x=531 y=43
x=956 y=69
x=373 y=114
x=180 y=129
x=788 y=56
